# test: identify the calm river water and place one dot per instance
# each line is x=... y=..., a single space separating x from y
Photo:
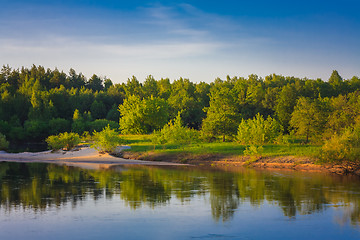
x=45 y=201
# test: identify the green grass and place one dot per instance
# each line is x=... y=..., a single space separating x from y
x=142 y=143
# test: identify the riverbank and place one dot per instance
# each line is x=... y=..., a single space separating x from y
x=297 y=163
x=81 y=156
x=90 y=158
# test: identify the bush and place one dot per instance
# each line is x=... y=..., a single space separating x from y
x=342 y=147
x=63 y=140
x=3 y=143
x=175 y=133
x=258 y=131
x=107 y=140
x=253 y=150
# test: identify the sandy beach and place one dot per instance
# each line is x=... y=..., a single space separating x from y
x=85 y=157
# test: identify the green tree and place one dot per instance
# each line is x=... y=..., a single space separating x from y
x=150 y=87
x=99 y=124
x=36 y=129
x=258 y=131
x=79 y=124
x=335 y=79
x=98 y=110
x=107 y=84
x=221 y=116
x=95 y=83
x=133 y=87
x=142 y=116
x=308 y=118
x=285 y=104
x=58 y=125
x=183 y=98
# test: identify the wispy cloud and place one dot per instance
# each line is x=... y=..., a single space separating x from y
x=169 y=40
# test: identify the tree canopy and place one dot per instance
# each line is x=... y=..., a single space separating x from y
x=36 y=102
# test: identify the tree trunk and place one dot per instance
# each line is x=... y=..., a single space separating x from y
x=307 y=137
x=223 y=138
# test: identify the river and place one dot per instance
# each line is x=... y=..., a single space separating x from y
x=48 y=201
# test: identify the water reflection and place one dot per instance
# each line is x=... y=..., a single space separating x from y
x=38 y=186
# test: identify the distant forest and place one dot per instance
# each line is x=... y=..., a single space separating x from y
x=38 y=102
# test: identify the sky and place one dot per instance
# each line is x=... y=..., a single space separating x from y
x=199 y=40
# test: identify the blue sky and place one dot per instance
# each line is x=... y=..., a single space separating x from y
x=199 y=40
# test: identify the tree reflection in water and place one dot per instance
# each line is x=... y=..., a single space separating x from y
x=38 y=186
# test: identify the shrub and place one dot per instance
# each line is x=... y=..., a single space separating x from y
x=107 y=140
x=175 y=133
x=342 y=147
x=86 y=137
x=258 y=131
x=253 y=150
x=63 y=140
x=3 y=143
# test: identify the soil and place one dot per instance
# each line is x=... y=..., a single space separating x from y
x=278 y=162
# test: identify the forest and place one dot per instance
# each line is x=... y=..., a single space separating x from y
x=37 y=102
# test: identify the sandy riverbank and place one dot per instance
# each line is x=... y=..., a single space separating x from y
x=85 y=157
x=90 y=158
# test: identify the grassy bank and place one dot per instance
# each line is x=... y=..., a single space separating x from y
x=142 y=144
x=294 y=156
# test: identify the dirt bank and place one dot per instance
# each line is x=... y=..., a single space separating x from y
x=279 y=162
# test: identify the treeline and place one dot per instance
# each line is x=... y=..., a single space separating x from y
x=39 y=102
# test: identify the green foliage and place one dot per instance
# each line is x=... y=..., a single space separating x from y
x=107 y=140
x=36 y=129
x=335 y=79
x=86 y=137
x=309 y=118
x=343 y=113
x=4 y=144
x=36 y=102
x=258 y=131
x=113 y=114
x=342 y=147
x=99 y=124
x=98 y=109
x=142 y=116
x=142 y=144
x=175 y=133
x=63 y=140
x=5 y=127
x=222 y=118
x=58 y=125
x=285 y=103
x=79 y=124
x=95 y=83
x=253 y=150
